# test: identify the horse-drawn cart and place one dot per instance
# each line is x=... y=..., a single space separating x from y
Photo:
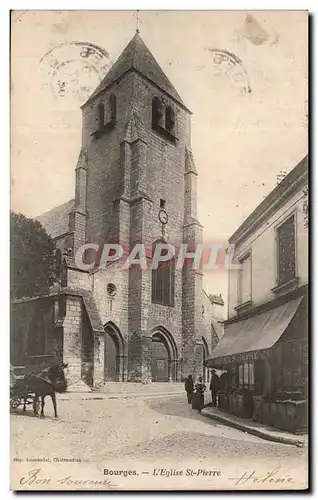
x=19 y=391
x=28 y=388
x=20 y=394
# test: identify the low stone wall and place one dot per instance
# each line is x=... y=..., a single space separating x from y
x=286 y=415
x=236 y=405
x=223 y=402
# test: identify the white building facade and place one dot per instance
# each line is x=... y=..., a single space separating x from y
x=265 y=345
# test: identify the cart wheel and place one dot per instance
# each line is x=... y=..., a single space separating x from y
x=15 y=401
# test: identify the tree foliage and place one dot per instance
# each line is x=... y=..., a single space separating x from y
x=33 y=262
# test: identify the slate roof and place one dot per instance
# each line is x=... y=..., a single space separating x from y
x=136 y=56
x=55 y=221
x=92 y=313
x=90 y=307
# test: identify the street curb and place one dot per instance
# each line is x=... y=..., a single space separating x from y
x=81 y=396
x=255 y=432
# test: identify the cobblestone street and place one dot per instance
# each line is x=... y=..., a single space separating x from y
x=144 y=428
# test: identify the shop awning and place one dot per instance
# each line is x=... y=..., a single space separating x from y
x=244 y=339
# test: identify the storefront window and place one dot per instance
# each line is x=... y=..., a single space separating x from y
x=241 y=375
x=246 y=375
x=251 y=374
x=233 y=376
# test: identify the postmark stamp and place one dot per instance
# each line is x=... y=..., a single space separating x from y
x=74 y=69
x=231 y=66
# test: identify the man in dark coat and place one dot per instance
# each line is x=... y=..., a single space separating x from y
x=189 y=386
x=214 y=387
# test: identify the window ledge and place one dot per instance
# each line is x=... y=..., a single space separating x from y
x=101 y=131
x=38 y=356
x=245 y=306
x=288 y=286
x=165 y=133
x=157 y=302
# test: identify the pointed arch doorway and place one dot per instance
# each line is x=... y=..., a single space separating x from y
x=164 y=357
x=113 y=354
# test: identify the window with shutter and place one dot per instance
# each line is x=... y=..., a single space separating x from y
x=286 y=258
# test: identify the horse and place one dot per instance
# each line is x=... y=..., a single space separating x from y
x=44 y=383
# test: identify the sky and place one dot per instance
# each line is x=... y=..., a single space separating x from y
x=240 y=141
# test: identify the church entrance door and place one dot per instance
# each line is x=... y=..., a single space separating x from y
x=111 y=371
x=160 y=361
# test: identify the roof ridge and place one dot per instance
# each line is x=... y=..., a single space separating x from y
x=54 y=208
x=136 y=56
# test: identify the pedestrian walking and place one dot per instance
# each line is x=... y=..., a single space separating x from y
x=189 y=387
x=198 y=395
x=214 y=387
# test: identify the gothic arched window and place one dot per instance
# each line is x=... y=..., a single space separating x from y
x=157 y=112
x=163 y=280
x=169 y=119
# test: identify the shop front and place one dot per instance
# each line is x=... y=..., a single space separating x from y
x=265 y=358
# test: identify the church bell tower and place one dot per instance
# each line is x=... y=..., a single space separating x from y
x=136 y=183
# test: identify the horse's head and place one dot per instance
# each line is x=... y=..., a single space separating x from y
x=57 y=377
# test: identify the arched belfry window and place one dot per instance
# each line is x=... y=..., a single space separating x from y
x=163 y=279
x=106 y=116
x=169 y=119
x=157 y=112
x=101 y=116
x=163 y=119
x=112 y=108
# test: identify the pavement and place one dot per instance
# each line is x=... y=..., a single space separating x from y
x=135 y=426
x=255 y=428
x=142 y=433
x=244 y=425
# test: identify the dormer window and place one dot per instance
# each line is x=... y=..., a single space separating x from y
x=163 y=119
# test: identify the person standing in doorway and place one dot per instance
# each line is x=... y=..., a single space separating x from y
x=214 y=387
x=189 y=387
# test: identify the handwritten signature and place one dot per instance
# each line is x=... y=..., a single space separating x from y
x=272 y=477
x=33 y=477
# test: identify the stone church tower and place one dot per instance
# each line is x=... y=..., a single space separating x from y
x=135 y=183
